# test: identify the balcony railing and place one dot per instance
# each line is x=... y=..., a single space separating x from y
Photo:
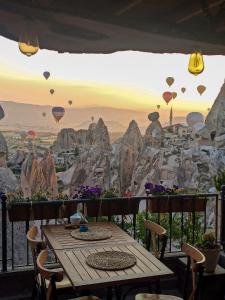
x=184 y=216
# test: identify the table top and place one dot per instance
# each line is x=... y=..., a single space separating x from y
x=82 y=276
x=60 y=238
x=72 y=254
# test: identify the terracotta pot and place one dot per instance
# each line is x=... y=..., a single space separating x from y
x=176 y=204
x=211 y=259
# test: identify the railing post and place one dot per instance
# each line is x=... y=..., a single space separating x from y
x=4 y=232
x=222 y=232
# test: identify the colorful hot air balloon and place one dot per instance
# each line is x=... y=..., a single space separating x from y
x=201 y=89
x=158 y=106
x=70 y=102
x=44 y=114
x=169 y=81
x=183 y=89
x=174 y=94
x=31 y=134
x=58 y=113
x=46 y=75
x=167 y=96
x=2 y=113
x=196 y=63
x=52 y=91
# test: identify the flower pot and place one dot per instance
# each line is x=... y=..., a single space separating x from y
x=211 y=259
x=44 y=210
x=172 y=203
x=112 y=207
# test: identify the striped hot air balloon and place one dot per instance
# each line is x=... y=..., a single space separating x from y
x=58 y=112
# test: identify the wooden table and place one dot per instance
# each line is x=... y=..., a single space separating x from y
x=72 y=255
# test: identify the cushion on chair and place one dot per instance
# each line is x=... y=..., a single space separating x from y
x=156 y=297
x=65 y=283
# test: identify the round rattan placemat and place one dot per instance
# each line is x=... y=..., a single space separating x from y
x=94 y=233
x=111 y=260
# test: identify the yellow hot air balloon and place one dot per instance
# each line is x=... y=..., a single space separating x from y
x=28 y=44
x=183 y=89
x=196 y=63
x=201 y=89
x=174 y=95
x=169 y=81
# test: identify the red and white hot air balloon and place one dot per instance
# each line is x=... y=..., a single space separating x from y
x=31 y=134
x=167 y=96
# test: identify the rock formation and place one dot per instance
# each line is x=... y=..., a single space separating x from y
x=3 y=151
x=38 y=175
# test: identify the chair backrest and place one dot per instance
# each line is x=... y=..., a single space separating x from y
x=195 y=263
x=48 y=274
x=155 y=234
x=36 y=245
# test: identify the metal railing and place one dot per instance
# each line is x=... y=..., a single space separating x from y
x=175 y=212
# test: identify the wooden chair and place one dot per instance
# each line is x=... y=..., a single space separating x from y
x=53 y=279
x=36 y=245
x=156 y=234
x=195 y=263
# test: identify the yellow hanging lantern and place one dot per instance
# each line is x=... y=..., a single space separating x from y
x=196 y=63
x=28 y=44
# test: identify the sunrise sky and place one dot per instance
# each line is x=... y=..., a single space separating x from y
x=127 y=80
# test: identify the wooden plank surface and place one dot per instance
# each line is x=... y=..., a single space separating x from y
x=82 y=276
x=60 y=238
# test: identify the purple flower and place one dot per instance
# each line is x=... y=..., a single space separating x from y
x=149 y=186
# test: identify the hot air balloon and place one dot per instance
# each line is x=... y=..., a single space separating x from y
x=169 y=81
x=167 y=96
x=92 y=119
x=44 y=114
x=2 y=114
x=193 y=118
x=208 y=108
x=70 y=102
x=174 y=94
x=46 y=75
x=183 y=89
x=28 y=43
x=158 y=106
x=196 y=63
x=201 y=89
x=52 y=91
x=58 y=113
x=31 y=134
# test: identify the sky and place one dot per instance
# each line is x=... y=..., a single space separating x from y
x=126 y=80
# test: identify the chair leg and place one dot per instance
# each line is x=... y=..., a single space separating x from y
x=34 y=291
x=118 y=292
x=158 y=287
x=109 y=293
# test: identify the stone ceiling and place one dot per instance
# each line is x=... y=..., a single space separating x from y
x=106 y=26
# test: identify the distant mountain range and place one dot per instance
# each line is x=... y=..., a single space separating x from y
x=21 y=116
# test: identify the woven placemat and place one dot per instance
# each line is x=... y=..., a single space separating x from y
x=111 y=260
x=93 y=234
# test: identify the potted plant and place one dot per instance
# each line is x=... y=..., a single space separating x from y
x=110 y=204
x=163 y=199
x=211 y=249
x=38 y=207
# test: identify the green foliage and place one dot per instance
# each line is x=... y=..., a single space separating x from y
x=176 y=226
x=60 y=169
x=219 y=180
x=208 y=241
x=111 y=193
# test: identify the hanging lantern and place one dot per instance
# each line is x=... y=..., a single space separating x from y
x=28 y=44
x=196 y=63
